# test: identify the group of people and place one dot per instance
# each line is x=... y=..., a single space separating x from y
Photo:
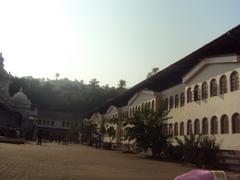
x=59 y=139
x=37 y=134
x=63 y=140
x=12 y=132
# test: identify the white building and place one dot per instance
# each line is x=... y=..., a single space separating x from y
x=97 y=119
x=143 y=99
x=201 y=91
x=211 y=107
x=55 y=124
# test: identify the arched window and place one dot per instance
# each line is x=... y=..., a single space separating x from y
x=182 y=99
x=213 y=88
x=170 y=129
x=235 y=123
x=171 y=102
x=176 y=101
x=153 y=105
x=214 y=125
x=148 y=105
x=182 y=129
x=223 y=84
x=204 y=90
x=189 y=127
x=166 y=103
x=145 y=105
x=196 y=93
x=196 y=126
x=224 y=124
x=205 y=126
x=139 y=109
x=189 y=95
x=234 y=81
x=176 y=129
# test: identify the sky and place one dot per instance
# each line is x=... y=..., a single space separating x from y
x=107 y=39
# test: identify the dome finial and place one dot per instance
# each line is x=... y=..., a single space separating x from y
x=1 y=60
x=21 y=89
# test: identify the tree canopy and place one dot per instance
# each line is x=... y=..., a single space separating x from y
x=147 y=129
x=153 y=72
x=64 y=94
x=122 y=84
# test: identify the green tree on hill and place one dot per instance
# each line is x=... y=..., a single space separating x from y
x=153 y=72
x=122 y=84
x=64 y=94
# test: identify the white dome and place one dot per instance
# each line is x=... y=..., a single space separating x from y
x=20 y=99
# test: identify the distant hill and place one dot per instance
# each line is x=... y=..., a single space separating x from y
x=63 y=94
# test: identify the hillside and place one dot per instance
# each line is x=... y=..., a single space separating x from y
x=65 y=95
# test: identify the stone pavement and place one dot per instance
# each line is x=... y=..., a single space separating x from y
x=73 y=162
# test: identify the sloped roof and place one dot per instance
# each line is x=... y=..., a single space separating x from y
x=110 y=108
x=144 y=91
x=227 y=43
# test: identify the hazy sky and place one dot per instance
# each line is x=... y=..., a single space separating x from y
x=107 y=39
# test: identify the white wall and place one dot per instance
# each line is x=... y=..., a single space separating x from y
x=141 y=98
x=58 y=124
x=212 y=106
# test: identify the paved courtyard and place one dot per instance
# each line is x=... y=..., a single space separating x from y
x=65 y=162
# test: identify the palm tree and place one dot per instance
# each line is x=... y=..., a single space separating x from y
x=122 y=84
x=153 y=72
x=200 y=149
x=57 y=75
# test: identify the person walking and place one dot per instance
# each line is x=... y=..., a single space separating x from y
x=99 y=139
x=39 y=137
x=59 y=139
x=95 y=137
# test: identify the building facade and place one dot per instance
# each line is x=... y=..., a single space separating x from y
x=206 y=101
x=57 y=124
x=201 y=92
